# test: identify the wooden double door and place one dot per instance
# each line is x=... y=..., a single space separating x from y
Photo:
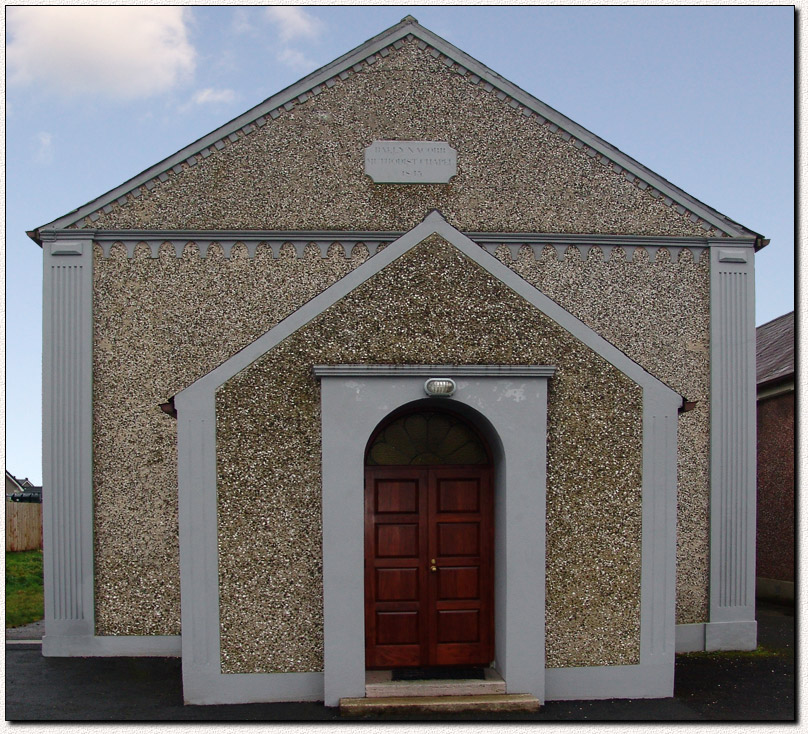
x=428 y=566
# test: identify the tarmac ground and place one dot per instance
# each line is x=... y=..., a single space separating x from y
x=723 y=686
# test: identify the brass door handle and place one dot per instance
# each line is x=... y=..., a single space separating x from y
x=433 y=569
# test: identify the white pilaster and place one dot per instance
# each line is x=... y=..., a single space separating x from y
x=732 y=452
x=67 y=442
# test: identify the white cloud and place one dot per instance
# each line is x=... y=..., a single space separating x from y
x=294 y=22
x=44 y=149
x=121 y=52
x=294 y=58
x=214 y=96
x=241 y=22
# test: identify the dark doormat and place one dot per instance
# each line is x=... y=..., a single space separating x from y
x=441 y=673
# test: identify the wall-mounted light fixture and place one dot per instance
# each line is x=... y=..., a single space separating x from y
x=440 y=387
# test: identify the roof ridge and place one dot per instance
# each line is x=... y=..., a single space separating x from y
x=368 y=53
x=777 y=318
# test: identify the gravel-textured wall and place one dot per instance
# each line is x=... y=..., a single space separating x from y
x=658 y=313
x=305 y=169
x=430 y=305
x=161 y=323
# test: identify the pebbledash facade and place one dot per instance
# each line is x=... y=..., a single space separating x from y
x=245 y=461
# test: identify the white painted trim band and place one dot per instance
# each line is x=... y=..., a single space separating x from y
x=103 y=646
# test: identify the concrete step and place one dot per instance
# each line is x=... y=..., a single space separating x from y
x=379 y=684
x=490 y=703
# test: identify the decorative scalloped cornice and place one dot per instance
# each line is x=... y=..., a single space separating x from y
x=563 y=244
x=367 y=54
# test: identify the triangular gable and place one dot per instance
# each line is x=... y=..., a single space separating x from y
x=453 y=58
x=434 y=223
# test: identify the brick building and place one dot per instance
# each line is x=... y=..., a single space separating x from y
x=775 y=459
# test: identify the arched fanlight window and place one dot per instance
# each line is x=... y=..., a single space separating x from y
x=427 y=437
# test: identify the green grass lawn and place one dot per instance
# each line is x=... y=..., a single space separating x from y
x=24 y=600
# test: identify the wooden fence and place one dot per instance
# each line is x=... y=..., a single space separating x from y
x=23 y=526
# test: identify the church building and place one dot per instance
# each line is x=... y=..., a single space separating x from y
x=400 y=369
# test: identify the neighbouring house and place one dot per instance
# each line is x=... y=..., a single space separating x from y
x=13 y=485
x=400 y=368
x=775 y=459
x=21 y=490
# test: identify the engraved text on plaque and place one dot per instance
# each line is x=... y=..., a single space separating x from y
x=410 y=161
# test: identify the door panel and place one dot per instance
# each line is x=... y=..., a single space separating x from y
x=397 y=584
x=458 y=625
x=417 y=520
x=458 y=539
x=397 y=496
x=397 y=628
x=397 y=540
x=459 y=496
x=461 y=536
x=458 y=582
x=395 y=577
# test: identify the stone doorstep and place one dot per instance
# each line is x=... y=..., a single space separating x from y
x=379 y=684
x=438 y=704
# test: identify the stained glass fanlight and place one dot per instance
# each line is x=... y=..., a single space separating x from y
x=428 y=437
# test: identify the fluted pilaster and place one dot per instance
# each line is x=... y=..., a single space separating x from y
x=67 y=440
x=733 y=435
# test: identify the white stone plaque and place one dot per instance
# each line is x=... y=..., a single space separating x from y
x=410 y=161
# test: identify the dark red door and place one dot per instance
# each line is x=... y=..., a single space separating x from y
x=428 y=566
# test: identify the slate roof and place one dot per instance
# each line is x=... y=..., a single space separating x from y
x=456 y=60
x=775 y=349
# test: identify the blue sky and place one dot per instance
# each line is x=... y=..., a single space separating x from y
x=703 y=96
